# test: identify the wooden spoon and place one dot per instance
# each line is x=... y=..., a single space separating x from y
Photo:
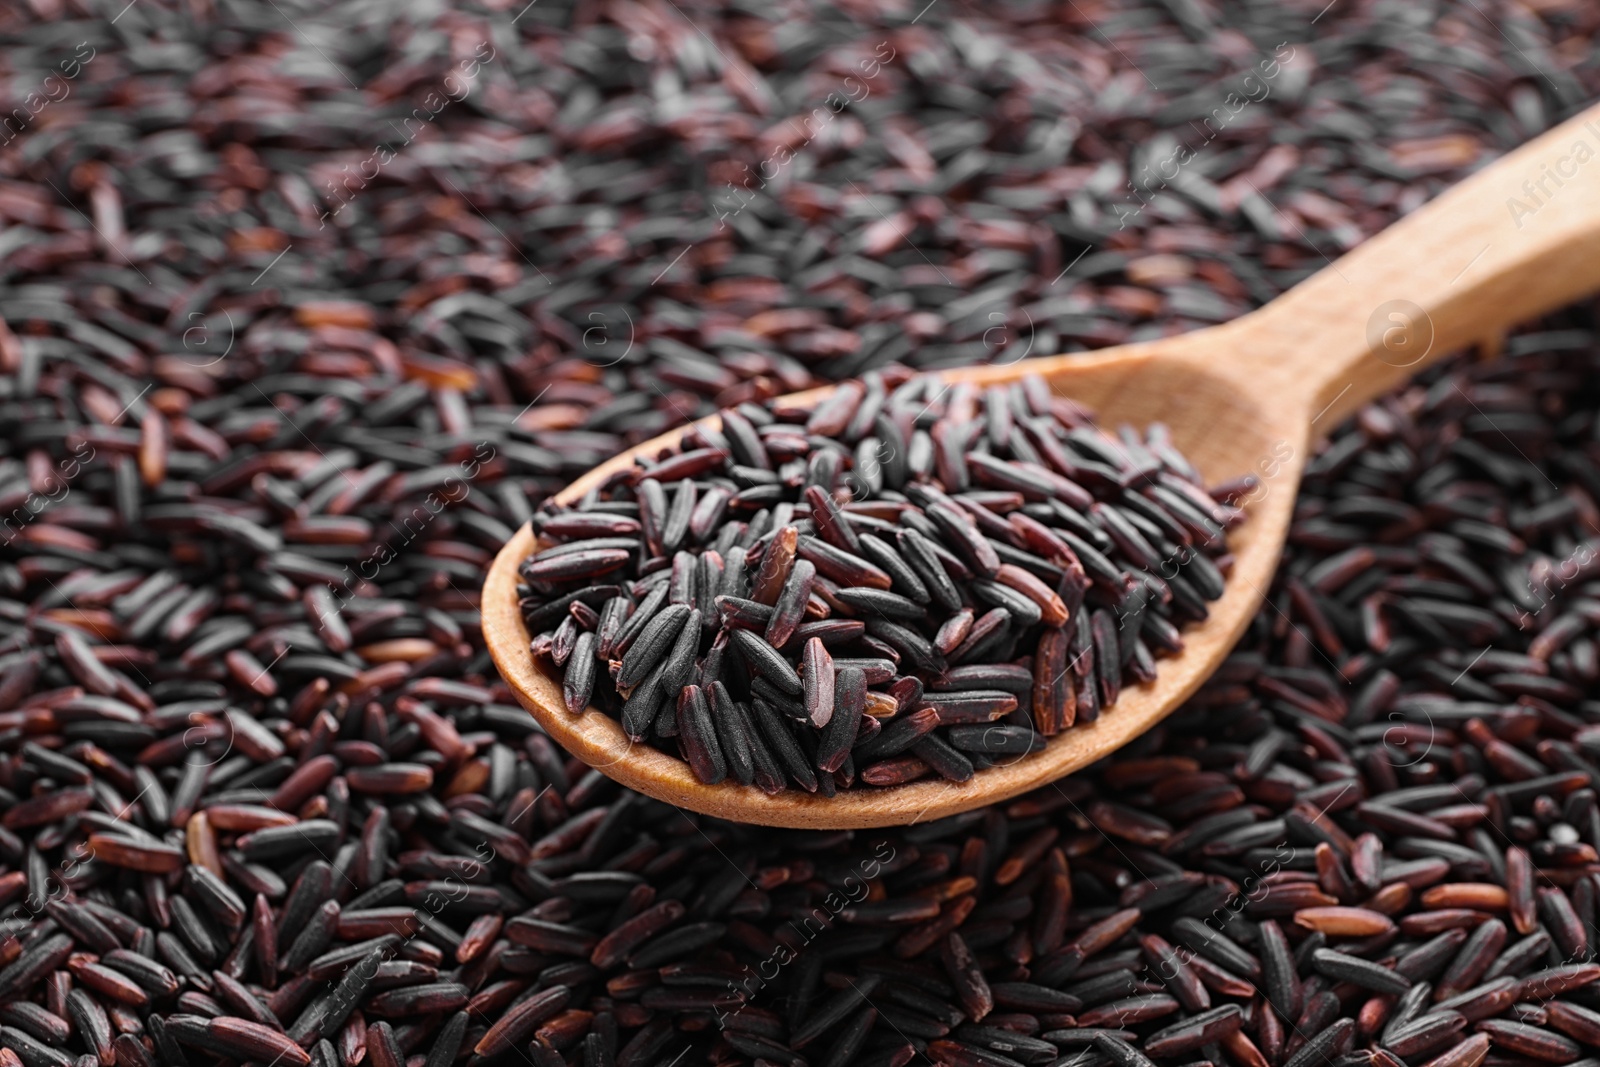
x=1515 y=240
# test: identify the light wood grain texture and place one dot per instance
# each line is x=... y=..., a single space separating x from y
x=1251 y=396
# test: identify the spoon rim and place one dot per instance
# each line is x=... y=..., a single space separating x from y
x=598 y=740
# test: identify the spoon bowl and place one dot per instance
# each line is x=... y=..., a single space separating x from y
x=1248 y=397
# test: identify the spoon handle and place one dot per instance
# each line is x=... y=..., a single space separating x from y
x=1518 y=238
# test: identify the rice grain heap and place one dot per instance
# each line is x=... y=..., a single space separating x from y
x=910 y=578
x=242 y=372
